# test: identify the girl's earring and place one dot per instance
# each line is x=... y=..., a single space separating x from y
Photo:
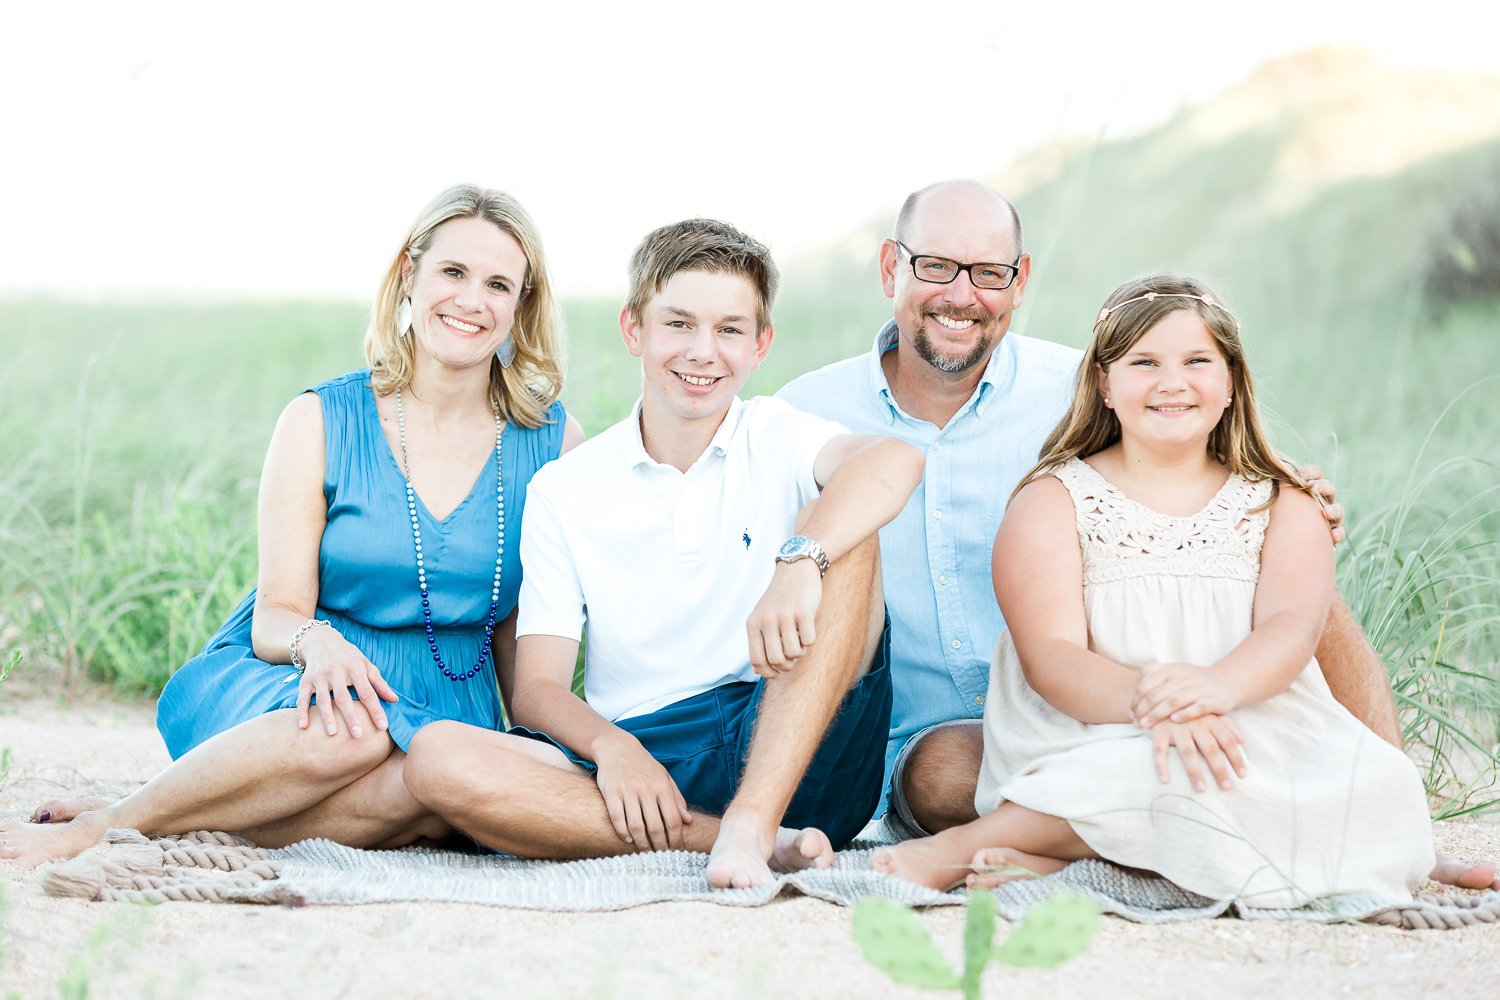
x=403 y=318
x=1228 y=400
x=1106 y=400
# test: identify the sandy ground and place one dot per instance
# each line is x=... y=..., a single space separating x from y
x=794 y=947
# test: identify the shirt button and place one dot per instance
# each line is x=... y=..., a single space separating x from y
x=979 y=699
x=957 y=644
x=936 y=445
x=938 y=514
x=943 y=580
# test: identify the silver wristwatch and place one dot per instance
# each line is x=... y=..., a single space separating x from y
x=802 y=547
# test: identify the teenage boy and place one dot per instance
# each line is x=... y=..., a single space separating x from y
x=738 y=695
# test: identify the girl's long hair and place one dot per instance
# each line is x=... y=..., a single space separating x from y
x=1238 y=441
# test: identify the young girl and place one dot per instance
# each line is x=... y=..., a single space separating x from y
x=1155 y=702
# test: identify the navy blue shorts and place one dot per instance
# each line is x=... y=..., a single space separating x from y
x=703 y=741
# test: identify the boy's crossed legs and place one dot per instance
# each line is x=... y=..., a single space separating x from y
x=526 y=797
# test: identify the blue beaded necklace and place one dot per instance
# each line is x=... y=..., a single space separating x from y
x=416 y=535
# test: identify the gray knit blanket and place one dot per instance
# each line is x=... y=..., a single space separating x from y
x=217 y=867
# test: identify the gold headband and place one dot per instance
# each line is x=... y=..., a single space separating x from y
x=1207 y=300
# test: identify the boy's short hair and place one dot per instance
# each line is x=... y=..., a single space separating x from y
x=701 y=245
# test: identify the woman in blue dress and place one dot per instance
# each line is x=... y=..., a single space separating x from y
x=389 y=519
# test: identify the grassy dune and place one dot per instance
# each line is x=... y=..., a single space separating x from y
x=131 y=435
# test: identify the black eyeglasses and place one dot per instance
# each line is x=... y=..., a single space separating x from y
x=942 y=271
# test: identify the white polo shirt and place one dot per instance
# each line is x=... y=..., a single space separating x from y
x=662 y=566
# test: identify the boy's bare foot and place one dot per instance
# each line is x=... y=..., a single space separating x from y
x=741 y=853
x=800 y=849
x=63 y=810
x=927 y=861
x=30 y=844
x=1451 y=871
x=994 y=865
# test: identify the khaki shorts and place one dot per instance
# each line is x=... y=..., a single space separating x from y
x=899 y=818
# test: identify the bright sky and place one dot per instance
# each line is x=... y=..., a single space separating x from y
x=203 y=149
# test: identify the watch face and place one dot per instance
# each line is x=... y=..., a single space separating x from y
x=791 y=546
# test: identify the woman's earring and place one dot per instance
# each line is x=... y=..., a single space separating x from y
x=506 y=352
x=403 y=318
x=1228 y=400
x=1106 y=400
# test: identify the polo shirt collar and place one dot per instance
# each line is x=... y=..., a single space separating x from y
x=997 y=371
x=635 y=446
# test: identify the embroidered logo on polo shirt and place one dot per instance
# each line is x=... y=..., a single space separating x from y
x=746 y=538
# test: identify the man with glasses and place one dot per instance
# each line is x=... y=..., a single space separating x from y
x=945 y=376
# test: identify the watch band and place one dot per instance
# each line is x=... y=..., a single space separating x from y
x=802 y=547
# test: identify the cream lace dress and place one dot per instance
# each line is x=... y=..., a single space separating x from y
x=1327 y=807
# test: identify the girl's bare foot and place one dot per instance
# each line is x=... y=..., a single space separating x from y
x=1451 y=871
x=928 y=861
x=994 y=865
x=63 y=810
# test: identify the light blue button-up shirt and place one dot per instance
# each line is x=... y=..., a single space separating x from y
x=935 y=556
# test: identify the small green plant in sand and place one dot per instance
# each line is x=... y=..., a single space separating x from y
x=101 y=953
x=893 y=939
x=6 y=667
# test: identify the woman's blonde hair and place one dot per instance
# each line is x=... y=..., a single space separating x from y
x=523 y=392
x=1238 y=441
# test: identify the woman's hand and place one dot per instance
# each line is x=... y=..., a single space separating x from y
x=644 y=804
x=334 y=665
x=1213 y=740
x=1179 y=692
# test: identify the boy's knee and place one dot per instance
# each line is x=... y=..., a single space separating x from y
x=427 y=772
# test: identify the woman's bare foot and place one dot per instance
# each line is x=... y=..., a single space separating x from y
x=63 y=810
x=995 y=865
x=31 y=844
x=929 y=861
x=1451 y=871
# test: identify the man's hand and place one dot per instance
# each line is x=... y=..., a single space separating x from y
x=1179 y=692
x=1323 y=492
x=645 y=807
x=782 y=626
x=1213 y=740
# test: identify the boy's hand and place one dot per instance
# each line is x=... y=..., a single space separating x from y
x=1180 y=692
x=1213 y=740
x=644 y=804
x=782 y=627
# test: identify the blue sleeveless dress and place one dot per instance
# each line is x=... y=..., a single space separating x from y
x=367 y=585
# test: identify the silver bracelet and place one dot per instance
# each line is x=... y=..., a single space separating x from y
x=293 y=648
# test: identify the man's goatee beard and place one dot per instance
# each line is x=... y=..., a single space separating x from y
x=946 y=363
